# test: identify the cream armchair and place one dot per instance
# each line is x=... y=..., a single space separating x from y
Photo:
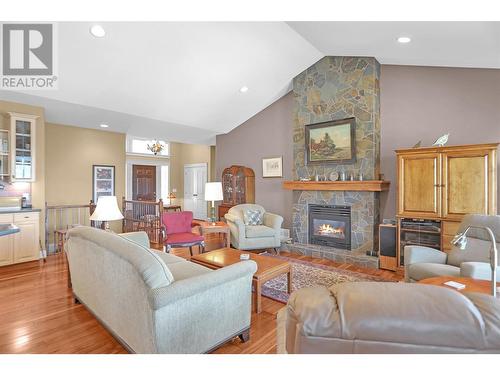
x=424 y=262
x=253 y=237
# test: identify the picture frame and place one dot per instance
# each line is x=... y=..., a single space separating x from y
x=103 y=181
x=272 y=167
x=331 y=142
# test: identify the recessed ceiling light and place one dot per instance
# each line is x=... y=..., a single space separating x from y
x=244 y=89
x=97 y=31
x=404 y=39
x=104 y=126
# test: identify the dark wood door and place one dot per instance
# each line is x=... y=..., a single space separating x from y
x=144 y=182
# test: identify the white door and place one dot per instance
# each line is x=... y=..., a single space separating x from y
x=195 y=178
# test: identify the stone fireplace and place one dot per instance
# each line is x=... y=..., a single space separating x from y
x=332 y=89
x=330 y=225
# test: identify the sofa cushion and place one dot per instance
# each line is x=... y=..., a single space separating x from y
x=183 y=238
x=419 y=271
x=169 y=258
x=252 y=217
x=258 y=231
x=149 y=265
x=186 y=270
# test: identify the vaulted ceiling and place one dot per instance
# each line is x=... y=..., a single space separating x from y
x=181 y=81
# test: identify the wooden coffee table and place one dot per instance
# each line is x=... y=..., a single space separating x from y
x=471 y=285
x=267 y=268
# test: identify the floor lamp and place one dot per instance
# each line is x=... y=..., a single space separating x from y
x=460 y=240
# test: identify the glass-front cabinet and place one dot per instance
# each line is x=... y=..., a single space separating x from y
x=4 y=153
x=22 y=137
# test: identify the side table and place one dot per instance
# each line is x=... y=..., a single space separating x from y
x=172 y=208
x=471 y=285
x=218 y=227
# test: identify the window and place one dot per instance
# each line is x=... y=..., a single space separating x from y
x=140 y=146
x=164 y=187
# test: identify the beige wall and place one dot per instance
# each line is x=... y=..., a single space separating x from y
x=268 y=133
x=37 y=187
x=65 y=155
x=70 y=154
x=182 y=154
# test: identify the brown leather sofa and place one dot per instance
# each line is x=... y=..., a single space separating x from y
x=369 y=317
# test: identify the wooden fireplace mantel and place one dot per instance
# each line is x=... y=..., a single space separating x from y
x=369 y=185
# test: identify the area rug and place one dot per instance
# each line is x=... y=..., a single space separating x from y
x=306 y=274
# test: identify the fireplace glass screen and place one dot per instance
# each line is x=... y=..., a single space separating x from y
x=330 y=225
x=329 y=228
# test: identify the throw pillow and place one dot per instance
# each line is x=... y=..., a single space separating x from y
x=253 y=217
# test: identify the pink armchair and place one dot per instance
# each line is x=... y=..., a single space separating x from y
x=176 y=228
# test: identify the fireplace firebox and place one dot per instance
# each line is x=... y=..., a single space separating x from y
x=330 y=225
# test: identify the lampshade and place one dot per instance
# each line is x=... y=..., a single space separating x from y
x=460 y=240
x=213 y=191
x=106 y=209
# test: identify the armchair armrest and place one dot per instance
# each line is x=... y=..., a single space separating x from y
x=198 y=227
x=273 y=221
x=421 y=254
x=237 y=221
x=186 y=288
x=476 y=270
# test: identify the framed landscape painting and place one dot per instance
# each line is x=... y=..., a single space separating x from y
x=103 y=181
x=331 y=142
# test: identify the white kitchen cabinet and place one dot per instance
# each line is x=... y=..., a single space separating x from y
x=22 y=144
x=6 y=243
x=24 y=245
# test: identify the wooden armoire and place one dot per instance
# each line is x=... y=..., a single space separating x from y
x=437 y=186
x=238 y=187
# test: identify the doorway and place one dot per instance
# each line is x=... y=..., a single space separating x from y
x=195 y=178
x=143 y=182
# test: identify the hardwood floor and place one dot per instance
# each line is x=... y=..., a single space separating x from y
x=38 y=314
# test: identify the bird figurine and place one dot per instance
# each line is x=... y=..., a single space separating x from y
x=441 y=141
x=417 y=145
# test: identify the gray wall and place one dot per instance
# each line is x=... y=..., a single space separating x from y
x=422 y=103
x=417 y=103
x=268 y=133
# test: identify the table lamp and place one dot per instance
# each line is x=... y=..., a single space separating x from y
x=460 y=240
x=171 y=196
x=106 y=210
x=213 y=192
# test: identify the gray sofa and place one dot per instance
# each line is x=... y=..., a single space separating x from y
x=154 y=302
x=254 y=237
x=425 y=262
x=370 y=317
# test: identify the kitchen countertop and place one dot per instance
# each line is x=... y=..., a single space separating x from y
x=19 y=210
x=6 y=229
